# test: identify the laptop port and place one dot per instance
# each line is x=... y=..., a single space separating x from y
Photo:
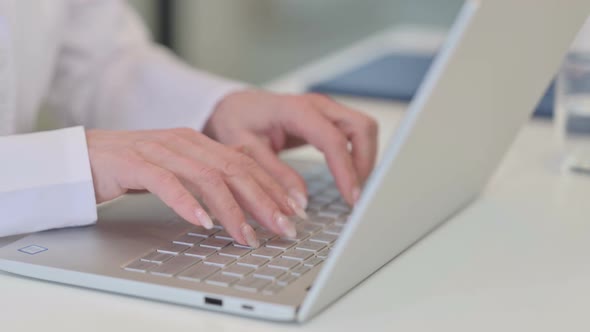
x=247 y=307
x=212 y=301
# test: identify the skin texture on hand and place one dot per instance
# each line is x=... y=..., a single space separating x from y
x=233 y=165
x=263 y=124
x=176 y=164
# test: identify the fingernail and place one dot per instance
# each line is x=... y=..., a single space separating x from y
x=299 y=197
x=250 y=236
x=286 y=226
x=356 y=194
x=298 y=210
x=204 y=219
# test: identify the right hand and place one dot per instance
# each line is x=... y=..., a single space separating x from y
x=174 y=163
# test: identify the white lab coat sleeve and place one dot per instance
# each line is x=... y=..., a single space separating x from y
x=111 y=76
x=45 y=182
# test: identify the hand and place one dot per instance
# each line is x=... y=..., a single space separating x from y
x=172 y=163
x=263 y=123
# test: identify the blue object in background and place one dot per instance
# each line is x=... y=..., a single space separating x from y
x=396 y=77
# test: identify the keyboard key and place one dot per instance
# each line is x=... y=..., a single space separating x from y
x=324 y=253
x=272 y=289
x=322 y=199
x=286 y=279
x=309 y=228
x=188 y=240
x=333 y=229
x=251 y=284
x=198 y=272
x=299 y=237
x=222 y=280
x=311 y=246
x=202 y=232
x=341 y=221
x=313 y=261
x=268 y=273
x=331 y=192
x=297 y=220
x=140 y=266
x=296 y=254
x=174 y=266
x=156 y=257
x=219 y=260
x=223 y=235
x=238 y=270
x=201 y=252
x=315 y=206
x=324 y=238
x=173 y=248
x=252 y=261
x=267 y=252
x=283 y=263
x=214 y=243
x=300 y=270
x=329 y=214
x=235 y=244
x=315 y=184
x=322 y=221
x=234 y=251
x=265 y=235
x=280 y=244
x=339 y=207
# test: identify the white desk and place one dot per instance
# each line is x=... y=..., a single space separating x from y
x=518 y=259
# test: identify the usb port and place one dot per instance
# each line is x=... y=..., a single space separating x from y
x=212 y=301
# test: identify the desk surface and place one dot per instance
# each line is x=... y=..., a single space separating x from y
x=518 y=259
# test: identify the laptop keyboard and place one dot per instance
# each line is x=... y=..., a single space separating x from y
x=211 y=256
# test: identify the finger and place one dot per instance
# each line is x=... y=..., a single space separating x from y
x=287 y=177
x=166 y=186
x=309 y=124
x=189 y=144
x=359 y=128
x=209 y=184
x=257 y=202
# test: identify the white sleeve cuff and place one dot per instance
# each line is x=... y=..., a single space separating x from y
x=45 y=182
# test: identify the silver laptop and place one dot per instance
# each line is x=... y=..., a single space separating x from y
x=497 y=62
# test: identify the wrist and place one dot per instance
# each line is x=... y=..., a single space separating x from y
x=219 y=115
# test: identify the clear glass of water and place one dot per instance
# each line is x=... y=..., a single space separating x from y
x=572 y=111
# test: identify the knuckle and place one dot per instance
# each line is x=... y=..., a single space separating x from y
x=231 y=168
x=246 y=161
x=211 y=176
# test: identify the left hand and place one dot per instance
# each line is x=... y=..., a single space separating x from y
x=263 y=124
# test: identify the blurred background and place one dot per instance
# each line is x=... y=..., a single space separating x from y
x=257 y=40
